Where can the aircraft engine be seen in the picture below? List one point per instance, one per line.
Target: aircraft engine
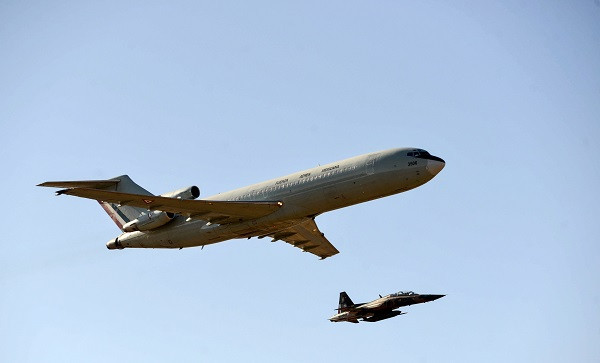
(192, 192)
(148, 221)
(155, 219)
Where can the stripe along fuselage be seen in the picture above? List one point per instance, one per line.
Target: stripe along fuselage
(304, 194)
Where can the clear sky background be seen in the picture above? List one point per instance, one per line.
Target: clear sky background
(225, 94)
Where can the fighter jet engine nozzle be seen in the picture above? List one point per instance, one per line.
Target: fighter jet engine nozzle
(192, 192)
(148, 221)
(114, 244)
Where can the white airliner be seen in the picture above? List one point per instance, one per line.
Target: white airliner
(282, 209)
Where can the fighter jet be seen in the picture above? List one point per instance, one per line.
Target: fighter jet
(378, 309)
(283, 208)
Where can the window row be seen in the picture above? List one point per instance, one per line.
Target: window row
(268, 190)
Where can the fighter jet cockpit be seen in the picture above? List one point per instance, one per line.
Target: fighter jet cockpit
(402, 293)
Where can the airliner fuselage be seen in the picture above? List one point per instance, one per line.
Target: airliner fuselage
(283, 208)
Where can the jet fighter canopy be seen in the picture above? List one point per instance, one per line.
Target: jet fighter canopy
(402, 293)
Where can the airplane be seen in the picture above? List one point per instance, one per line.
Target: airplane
(283, 208)
(378, 309)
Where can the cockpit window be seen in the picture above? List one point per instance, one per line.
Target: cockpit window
(417, 153)
(403, 293)
(422, 154)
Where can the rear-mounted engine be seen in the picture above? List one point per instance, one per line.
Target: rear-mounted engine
(148, 221)
(192, 192)
(155, 219)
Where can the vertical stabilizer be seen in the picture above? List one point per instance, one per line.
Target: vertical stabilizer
(123, 214)
(345, 302)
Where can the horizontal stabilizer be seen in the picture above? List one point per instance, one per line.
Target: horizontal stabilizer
(94, 184)
(221, 212)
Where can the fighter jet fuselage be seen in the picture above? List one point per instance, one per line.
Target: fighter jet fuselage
(379, 309)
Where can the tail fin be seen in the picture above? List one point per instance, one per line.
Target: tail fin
(345, 302)
(121, 214)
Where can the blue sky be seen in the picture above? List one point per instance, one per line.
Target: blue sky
(224, 94)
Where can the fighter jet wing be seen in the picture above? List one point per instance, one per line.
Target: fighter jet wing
(308, 238)
(221, 212)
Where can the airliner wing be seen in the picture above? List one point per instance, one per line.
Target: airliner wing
(308, 238)
(221, 212)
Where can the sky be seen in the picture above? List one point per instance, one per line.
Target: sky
(225, 94)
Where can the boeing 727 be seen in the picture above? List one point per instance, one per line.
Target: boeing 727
(282, 209)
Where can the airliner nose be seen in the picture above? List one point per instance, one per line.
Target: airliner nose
(435, 166)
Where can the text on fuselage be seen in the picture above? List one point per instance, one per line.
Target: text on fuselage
(330, 168)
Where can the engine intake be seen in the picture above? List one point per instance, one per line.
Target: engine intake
(192, 192)
(155, 219)
(148, 221)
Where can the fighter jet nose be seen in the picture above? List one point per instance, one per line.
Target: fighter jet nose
(429, 297)
(435, 166)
